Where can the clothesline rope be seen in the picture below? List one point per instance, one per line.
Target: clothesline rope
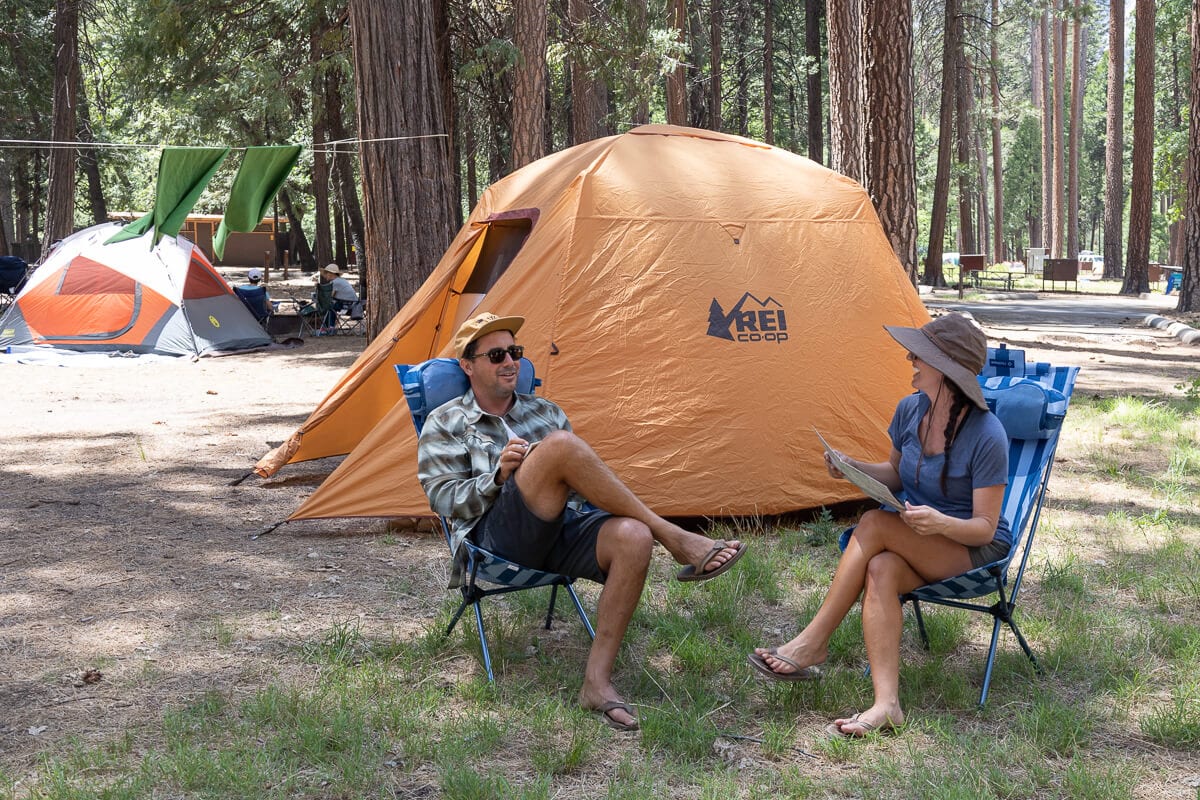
(325, 147)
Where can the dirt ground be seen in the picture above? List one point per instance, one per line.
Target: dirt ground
(129, 580)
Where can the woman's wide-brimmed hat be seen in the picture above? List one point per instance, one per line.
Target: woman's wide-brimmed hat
(951, 344)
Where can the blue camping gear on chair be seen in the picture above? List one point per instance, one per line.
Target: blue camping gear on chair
(427, 386)
(255, 300)
(1031, 402)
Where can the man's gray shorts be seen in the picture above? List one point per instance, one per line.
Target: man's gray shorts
(566, 545)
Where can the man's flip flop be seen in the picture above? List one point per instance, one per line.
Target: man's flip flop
(799, 673)
(604, 708)
(695, 572)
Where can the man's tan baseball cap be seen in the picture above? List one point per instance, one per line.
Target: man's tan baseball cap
(481, 325)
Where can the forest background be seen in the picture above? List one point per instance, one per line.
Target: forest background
(984, 126)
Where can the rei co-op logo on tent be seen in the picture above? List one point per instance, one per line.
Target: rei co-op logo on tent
(751, 320)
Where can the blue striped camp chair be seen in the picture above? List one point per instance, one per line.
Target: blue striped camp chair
(1031, 401)
(427, 386)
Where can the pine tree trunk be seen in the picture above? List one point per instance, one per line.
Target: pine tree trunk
(1058, 188)
(529, 84)
(677, 105)
(951, 35)
(1189, 290)
(89, 164)
(741, 38)
(962, 122)
(890, 159)
(812, 49)
(846, 140)
(1076, 132)
(769, 74)
(589, 99)
(714, 66)
(323, 251)
(60, 193)
(408, 190)
(1114, 145)
(1141, 180)
(997, 183)
(1049, 114)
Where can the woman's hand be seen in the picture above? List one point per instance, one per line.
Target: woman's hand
(833, 470)
(924, 520)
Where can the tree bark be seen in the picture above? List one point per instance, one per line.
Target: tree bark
(529, 84)
(1189, 289)
(741, 35)
(677, 105)
(89, 164)
(997, 155)
(714, 68)
(1141, 181)
(60, 193)
(951, 35)
(589, 102)
(890, 159)
(408, 188)
(846, 141)
(323, 251)
(1057, 205)
(1076, 137)
(1048, 117)
(812, 49)
(1114, 146)
(963, 127)
(769, 73)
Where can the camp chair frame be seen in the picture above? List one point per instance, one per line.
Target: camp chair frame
(427, 386)
(1030, 464)
(254, 298)
(314, 316)
(351, 317)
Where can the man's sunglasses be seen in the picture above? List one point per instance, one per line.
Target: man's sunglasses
(496, 354)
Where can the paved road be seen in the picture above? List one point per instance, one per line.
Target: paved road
(1104, 334)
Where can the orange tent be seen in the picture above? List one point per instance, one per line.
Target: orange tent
(130, 296)
(696, 302)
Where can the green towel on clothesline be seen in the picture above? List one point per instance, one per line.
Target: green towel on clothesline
(183, 173)
(263, 171)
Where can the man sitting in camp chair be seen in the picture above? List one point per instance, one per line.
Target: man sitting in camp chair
(509, 472)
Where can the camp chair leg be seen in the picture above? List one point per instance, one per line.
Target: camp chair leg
(583, 617)
(550, 610)
(483, 643)
(457, 616)
(921, 623)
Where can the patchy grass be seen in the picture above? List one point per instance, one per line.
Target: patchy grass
(1111, 606)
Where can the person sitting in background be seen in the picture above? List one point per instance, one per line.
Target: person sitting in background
(254, 295)
(344, 295)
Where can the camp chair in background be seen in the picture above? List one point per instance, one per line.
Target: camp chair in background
(1031, 401)
(427, 386)
(315, 317)
(13, 271)
(350, 318)
(255, 300)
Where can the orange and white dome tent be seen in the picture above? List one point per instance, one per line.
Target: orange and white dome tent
(129, 296)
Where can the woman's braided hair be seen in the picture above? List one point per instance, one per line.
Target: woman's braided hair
(954, 425)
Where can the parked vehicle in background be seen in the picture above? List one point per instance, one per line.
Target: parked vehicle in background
(1091, 263)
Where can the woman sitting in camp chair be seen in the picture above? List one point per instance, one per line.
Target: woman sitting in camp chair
(950, 457)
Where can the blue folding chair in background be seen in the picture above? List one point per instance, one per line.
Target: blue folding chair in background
(427, 386)
(1031, 401)
(255, 300)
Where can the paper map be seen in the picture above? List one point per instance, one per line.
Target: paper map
(873, 488)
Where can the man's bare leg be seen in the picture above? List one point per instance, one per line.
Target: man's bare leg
(623, 552)
(562, 462)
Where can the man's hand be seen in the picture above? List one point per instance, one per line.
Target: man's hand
(511, 457)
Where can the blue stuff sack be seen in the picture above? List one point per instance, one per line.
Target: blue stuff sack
(1027, 409)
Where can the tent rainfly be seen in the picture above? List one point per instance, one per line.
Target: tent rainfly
(696, 302)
